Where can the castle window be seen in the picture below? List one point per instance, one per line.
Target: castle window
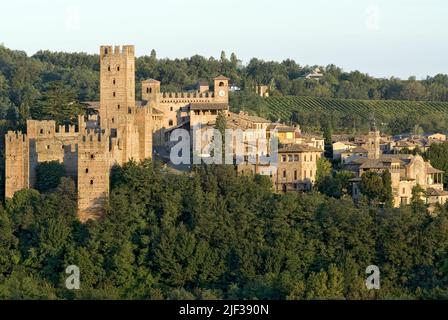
(87, 170)
(118, 68)
(113, 120)
(118, 107)
(296, 158)
(108, 68)
(113, 93)
(92, 156)
(106, 51)
(113, 81)
(48, 146)
(150, 90)
(295, 174)
(147, 90)
(290, 158)
(221, 84)
(171, 108)
(41, 131)
(91, 182)
(284, 173)
(170, 123)
(129, 110)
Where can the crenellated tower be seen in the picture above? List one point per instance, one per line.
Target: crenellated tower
(117, 84)
(93, 174)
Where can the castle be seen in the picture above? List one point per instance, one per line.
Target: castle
(120, 130)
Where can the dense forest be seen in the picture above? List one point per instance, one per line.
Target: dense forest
(215, 235)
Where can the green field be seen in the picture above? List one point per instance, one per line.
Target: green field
(384, 110)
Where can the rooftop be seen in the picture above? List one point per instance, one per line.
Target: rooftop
(298, 148)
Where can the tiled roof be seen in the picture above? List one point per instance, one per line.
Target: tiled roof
(298, 148)
(251, 118)
(209, 106)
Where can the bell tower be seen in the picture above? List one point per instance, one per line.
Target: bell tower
(151, 91)
(221, 90)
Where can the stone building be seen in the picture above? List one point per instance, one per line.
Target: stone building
(297, 168)
(122, 128)
(407, 171)
(120, 131)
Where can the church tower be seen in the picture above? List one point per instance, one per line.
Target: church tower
(373, 143)
(117, 84)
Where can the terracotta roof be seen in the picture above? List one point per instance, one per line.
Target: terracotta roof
(221, 77)
(281, 127)
(209, 106)
(434, 170)
(356, 150)
(436, 192)
(156, 111)
(92, 104)
(299, 148)
(373, 164)
(151, 81)
(249, 118)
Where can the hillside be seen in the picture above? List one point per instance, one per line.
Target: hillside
(394, 115)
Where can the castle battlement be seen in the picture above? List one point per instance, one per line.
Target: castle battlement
(186, 95)
(93, 136)
(15, 136)
(126, 50)
(68, 130)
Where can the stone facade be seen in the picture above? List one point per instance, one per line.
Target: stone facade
(123, 129)
(120, 131)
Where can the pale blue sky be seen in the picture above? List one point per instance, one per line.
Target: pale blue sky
(381, 37)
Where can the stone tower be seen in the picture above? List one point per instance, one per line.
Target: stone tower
(151, 92)
(16, 163)
(221, 89)
(373, 143)
(117, 84)
(93, 174)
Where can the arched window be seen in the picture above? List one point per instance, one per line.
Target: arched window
(170, 123)
(113, 94)
(87, 170)
(221, 84)
(147, 90)
(91, 182)
(284, 173)
(113, 81)
(118, 68)
(106, 51)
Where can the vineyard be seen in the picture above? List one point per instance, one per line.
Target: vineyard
(384, 110)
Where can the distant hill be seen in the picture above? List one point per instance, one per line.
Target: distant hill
(395, 115)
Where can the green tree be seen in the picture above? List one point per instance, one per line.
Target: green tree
(48, 175)
(59, 102)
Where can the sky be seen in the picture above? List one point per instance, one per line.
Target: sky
(383, 38)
